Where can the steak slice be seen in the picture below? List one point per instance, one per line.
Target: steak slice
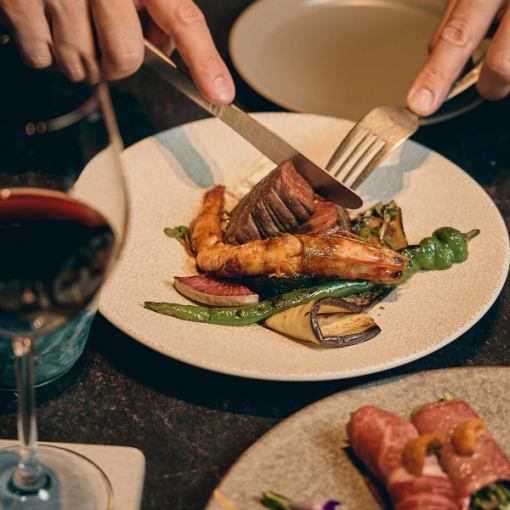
(327, 215)
(278, 203)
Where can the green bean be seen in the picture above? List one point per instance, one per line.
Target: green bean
(257, 312)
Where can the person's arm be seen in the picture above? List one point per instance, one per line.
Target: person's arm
(464, 24)
(63, 32)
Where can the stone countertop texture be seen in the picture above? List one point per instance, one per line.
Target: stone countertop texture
(192, 424)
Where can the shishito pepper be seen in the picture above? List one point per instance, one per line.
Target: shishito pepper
(445, 247)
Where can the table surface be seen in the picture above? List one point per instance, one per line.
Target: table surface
(192, 424)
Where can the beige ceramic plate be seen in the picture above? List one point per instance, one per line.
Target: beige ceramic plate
(167, 176)
(333, 57)
(303, 456)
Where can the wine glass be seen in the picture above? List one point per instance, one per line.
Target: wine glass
(62, 222)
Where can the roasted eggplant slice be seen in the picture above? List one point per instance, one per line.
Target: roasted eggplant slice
(329, 322)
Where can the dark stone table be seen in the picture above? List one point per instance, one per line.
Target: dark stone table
(192, 424)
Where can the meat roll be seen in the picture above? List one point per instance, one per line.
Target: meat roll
(379, 438)
(470, 456)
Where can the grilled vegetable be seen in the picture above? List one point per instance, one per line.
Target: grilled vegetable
(382, 225)
(213, 291)
(330, 322)
(445, 247)
(249, 314)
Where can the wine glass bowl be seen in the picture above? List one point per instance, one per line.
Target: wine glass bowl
(61, 228)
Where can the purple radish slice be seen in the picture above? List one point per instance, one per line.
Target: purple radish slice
(209, 290)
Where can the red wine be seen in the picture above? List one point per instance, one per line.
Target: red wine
(54, 253)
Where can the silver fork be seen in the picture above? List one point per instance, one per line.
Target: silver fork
(378, 133)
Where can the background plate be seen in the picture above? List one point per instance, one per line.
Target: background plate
(333, 57)
(167, 176)
(303, 457)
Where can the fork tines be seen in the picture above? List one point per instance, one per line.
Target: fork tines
(369, 141)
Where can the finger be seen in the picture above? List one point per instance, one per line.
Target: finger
(159, 37)
(184, 21)
(73, 41)
(120, 37)
(494, 81)
(31, 31)
(457, 40)
(444, 18)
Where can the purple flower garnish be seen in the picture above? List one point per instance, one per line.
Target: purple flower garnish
(328, 505)
(276, 501)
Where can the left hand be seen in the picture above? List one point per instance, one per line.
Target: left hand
(464, 25)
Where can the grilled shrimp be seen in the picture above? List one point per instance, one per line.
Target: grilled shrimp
(330, 255)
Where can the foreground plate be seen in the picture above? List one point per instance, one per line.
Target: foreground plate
(167, 176)
(303, 458)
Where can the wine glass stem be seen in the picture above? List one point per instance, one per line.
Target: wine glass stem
(28, 475)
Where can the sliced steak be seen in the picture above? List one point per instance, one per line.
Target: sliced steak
(278, 203)
(327, 215)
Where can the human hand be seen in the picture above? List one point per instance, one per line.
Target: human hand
(63, 32)
(464, 24)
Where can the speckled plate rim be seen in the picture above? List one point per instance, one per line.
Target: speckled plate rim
(259, 447)
(275, 375)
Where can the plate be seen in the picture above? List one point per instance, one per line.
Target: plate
(336, 57)
(167, 176)
(302, 457)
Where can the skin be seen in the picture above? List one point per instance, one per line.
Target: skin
(63, 33)
(464, 24)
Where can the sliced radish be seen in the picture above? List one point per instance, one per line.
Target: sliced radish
(213, 291)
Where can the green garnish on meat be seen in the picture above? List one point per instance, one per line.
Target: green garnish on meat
(495, 496)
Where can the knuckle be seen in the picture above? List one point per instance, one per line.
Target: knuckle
(65, 8)
(207, 64)
(499, 65)
(53, 5)
(189, 14)
(75, 74)
(37, 60)
(457, 32)
(432, 75)
(121, 64)
(7, 5)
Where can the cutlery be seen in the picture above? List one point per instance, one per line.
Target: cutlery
(378, 133)
(265, 140)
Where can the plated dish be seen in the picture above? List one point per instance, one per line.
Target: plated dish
(168, 176)
(308, 455)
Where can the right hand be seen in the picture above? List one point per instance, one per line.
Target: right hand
(464, 25)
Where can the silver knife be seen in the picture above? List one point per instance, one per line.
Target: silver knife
(267, 142)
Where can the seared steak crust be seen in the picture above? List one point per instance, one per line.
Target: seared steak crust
(280, 202)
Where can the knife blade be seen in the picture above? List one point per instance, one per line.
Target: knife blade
(262, 138)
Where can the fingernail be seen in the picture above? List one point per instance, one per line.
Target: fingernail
(421, 101)
(222, 90)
